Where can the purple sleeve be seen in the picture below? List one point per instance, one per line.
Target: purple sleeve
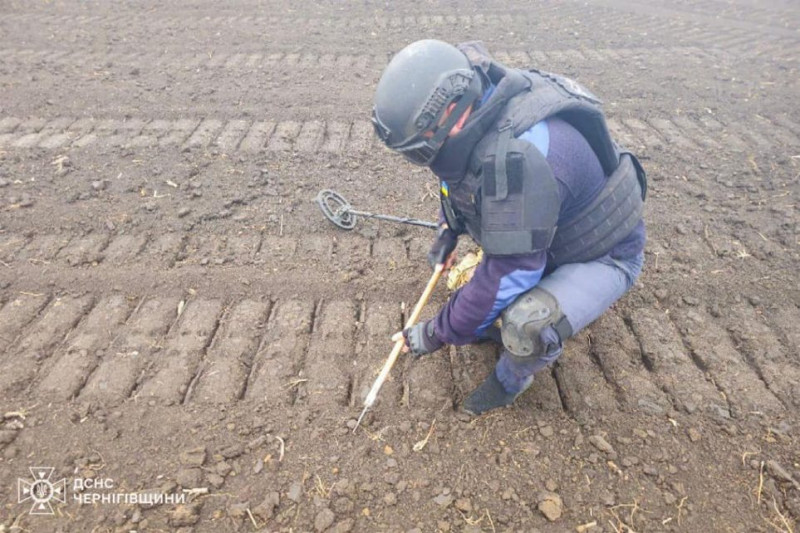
(496, 283)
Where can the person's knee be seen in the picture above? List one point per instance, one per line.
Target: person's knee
(534, 326)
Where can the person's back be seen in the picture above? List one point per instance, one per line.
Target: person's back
(579, 174)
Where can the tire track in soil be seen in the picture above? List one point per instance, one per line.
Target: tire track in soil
(672, 366)
(330, 359)
(759, 342)
(43, 337)
(645, 17)
(189, 22)
(168, 376)
(156, 355)
(84, 348)
(326, 251)
(224, 372)
(380, 320)
(15, 315)
(725, 41)
(41, 250)
(113, 380)
(731, 371)
(340, 65)
(682, 134)
(773, 15)
(580, 382)
(616, 351)
(274, 376)
(277, 251)
(663, 11)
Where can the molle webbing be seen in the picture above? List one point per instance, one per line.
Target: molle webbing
(606, 221)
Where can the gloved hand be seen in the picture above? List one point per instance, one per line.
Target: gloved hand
(443, 246)
(421, 339)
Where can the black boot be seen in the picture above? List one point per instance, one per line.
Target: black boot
(489, 395)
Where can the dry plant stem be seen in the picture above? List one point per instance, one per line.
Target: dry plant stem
(786, 523)
(252, 518)
(421, 444)
(491, 522)
(283, 445)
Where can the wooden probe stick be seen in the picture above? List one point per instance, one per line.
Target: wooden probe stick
(399, 343)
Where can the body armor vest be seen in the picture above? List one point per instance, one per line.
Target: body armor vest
(506, 196)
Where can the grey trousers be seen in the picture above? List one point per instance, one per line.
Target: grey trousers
(584, 291)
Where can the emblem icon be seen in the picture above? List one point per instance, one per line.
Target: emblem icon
(41, 491)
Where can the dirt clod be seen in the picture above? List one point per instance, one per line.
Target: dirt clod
(7, 436)
(780, 473)
(185, 515)
(238, 511)
(266, 509)
(550, 505)
(215, 480)
(324, 519)
(599, 442)
(343, 526)
(233, 451)
(295, 492)
(443, 500)
(189, 477)
(464, 504)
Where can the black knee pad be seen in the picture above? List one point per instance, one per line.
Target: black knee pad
(526, 318)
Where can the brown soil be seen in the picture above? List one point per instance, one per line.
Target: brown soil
(176, 314)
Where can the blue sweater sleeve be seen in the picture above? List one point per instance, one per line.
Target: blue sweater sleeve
(496, 283)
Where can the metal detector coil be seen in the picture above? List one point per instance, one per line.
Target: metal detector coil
(338, 210)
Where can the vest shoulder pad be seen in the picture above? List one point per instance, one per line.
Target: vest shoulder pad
(519, 211)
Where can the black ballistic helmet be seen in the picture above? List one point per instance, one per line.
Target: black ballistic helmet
(414, 91)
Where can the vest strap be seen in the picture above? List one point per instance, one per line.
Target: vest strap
(500, 175)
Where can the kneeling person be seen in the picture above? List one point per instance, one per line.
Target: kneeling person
(528, 169)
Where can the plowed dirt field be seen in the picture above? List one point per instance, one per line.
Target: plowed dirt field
(178, 319)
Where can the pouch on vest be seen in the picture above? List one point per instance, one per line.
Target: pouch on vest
(519, 203)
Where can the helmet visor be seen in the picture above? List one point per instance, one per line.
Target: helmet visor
(418, 149)
(422, 153)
